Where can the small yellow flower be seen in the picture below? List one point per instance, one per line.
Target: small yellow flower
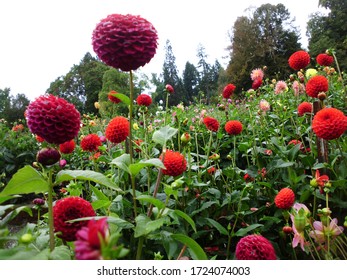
(92, 123)
(135, 126)
(311, 73)
(97, 105)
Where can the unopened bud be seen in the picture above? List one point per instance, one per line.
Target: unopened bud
(322, 96)
(185, 137)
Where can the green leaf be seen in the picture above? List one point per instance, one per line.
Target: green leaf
(125, 99)
(203, 207)
(244, 231)
(218, 226)
(196, 252)
(26, 180)
(119, 222)
(150, 199)
(185, 217)
(135, 168)
(122, 162)
(60, 253)
(11, 215)
(144, 225)
(87, 175)
(97, 204)
(163, 135)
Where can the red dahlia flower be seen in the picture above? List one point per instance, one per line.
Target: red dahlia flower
(254, 247)
(324, 59)
(117, 130)
(67, 209)
(329, 123)
(211, 124)
(174, 162)
(125, 41)
(89, 239)
(53, 119)
(305, 108)
(48, 156)
(299, 60)
(285, 198)
(112, 98)
(90, 143)
(144, 100)
(233, 127)
(67, 147)
(256, 83)
(228, 90)
(169, 88)
(316, 85)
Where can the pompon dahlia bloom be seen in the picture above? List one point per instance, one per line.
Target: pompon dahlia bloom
(91, 142)
(125, 41)
(317, 84)
(305, 108)
(53, 118)
(117, 130)
(254, 247)
(89, 240)
(144, 100)
(111, 96)
(228, 90)
(211, 123)
(329, 123)
(257, 74)
(324, 59)
(67, 209)
(174, 162)
(285, 198)
(299, 60)
(67, 147)
(48, 156)
(233, 127)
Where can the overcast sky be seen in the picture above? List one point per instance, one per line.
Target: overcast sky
(42, 39)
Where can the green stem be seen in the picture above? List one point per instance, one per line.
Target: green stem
(166, 107)
(50, 212)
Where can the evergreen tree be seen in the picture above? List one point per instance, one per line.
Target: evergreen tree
(191, 81)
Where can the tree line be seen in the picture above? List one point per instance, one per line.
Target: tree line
(264, 38)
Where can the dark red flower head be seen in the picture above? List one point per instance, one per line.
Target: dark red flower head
(169, 88)
(53, 118)
(67, 147)
(324, 59)
(285, 198)
(174, 162)
(316, 85)
(111, 96)
(228, 90)
(233, 127)
(117, 130)
(67, 209)
(329, 123)
(254, 247)
(305, 108)
(299, 60)
(48, 156)
(90, 143)
(211, 124)
(144, 100)
(257, 83)
(125, 41)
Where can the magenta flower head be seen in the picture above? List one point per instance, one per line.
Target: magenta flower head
(169, 88)
(255, 247)
(125, 41)
(53, 118)
(89, 240)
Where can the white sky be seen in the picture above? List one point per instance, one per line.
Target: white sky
(42, 39)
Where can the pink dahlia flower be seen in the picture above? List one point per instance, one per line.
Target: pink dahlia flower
(89, 240)
(125, 41)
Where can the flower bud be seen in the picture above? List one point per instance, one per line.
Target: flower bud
(300, 222)
(48, 156)
(313, 183)
(322, 96)
(26, 238)
(287, 229)
(185, 138)
(214, 157)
